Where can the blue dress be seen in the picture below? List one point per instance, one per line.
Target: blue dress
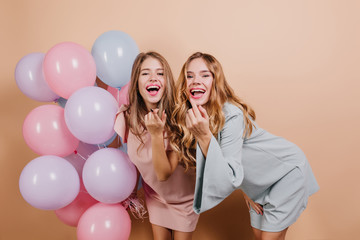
(269, 169)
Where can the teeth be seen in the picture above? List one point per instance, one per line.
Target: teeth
(153, 88)
(197, 91)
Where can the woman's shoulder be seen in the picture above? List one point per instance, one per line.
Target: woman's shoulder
(230, 110)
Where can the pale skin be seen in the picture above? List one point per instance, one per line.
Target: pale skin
(165, 162)
(197, 121)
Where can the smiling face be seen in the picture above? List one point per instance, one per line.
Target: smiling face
(199, 81)
(151, 82)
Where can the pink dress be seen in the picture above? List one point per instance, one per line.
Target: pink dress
(170, 203)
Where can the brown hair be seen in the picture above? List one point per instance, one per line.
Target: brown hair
(221, 92)
(137, 109)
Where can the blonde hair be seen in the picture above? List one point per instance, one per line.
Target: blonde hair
(136, 110)
(221, 92)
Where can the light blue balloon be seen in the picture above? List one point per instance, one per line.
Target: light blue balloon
(114, 53)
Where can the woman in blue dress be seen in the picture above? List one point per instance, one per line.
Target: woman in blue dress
(218, 133)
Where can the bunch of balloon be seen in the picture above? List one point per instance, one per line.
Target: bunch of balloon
(52, 181)
(83, 183)
(108, 174)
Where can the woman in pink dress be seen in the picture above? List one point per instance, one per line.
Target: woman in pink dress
(144, 125)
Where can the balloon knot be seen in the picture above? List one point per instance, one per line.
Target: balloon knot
(75, 152)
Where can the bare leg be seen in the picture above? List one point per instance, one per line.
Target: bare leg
(274, 235)
(257, 233)
(182, 235)
(262, 235)
(161, 233)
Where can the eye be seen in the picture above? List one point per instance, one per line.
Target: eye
(189, 76)
(160, 74)
(206, 75)
(144, 73)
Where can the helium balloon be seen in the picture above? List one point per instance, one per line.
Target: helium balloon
(71, 213)
(49, 182)
(30, 78)
(104, 221)
(46, 133)
(90, 115)
(68, 67)
(109, 176)
(114, 53)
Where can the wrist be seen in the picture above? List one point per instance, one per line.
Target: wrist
(159, 135)
(205, 139)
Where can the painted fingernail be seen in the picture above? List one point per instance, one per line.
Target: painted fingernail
(151, 110)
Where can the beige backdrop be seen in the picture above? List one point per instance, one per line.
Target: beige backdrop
(296, 62)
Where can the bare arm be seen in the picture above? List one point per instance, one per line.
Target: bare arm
(165, 162)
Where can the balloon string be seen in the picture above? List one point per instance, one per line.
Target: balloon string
(118, 96)
(81, 156)
(136, 207)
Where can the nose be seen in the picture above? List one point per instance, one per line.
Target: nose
(153, 76)
(196, 79)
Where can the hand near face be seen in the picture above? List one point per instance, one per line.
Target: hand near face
(197, 121)
(154, 124)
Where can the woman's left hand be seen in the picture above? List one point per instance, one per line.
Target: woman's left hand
(153, 123)
(197, 121)
(254, 205)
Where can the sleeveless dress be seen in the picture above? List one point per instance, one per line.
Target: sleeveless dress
(170, 202)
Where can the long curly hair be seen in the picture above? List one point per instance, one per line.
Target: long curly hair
(136, 110)
(183, 141)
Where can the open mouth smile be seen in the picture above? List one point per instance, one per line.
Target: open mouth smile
(197, 93)
(153, 89)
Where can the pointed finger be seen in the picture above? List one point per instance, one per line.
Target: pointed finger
(195, 108)
(146, 118)
(187, 121)
(248, 205)
(156, 117)
(155, 110)
(163, 118)
(191, 115)
(203, 112)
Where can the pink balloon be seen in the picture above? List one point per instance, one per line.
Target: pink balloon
(104, 221)
(68, 67)
(122, 95)
(46, 133)
(71, 214)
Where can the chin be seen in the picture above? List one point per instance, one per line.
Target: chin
(199, 102)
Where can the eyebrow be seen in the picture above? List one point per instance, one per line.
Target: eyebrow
(148, 69)
(202, 71)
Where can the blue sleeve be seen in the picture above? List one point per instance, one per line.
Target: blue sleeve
(221, 172)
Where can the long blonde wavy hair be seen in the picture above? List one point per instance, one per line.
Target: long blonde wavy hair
(183, 141)
(136, 110)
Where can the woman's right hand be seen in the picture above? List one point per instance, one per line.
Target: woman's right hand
(197, 121)
(154, 124)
